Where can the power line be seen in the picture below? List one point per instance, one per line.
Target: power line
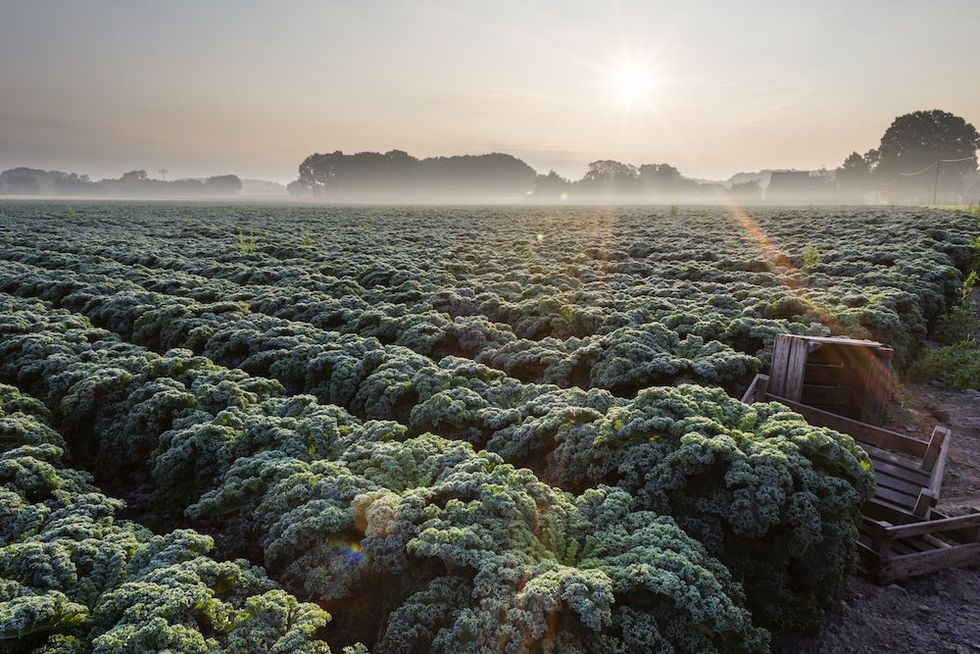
(929, 167)
(935, 164)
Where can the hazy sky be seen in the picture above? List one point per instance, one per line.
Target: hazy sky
(253, 87)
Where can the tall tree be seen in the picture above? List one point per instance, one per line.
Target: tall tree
(609, 176)
(917, 140)
(854, 177)
(659, 178)
(551, 187)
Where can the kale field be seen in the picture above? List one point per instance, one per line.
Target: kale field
(295, 429)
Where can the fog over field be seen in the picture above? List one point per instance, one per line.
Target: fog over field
(673, 103)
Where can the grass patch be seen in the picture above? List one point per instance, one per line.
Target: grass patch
(247, 243)
(957, 365)
(961, 322)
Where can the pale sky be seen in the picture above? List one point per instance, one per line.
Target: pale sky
(251, 88)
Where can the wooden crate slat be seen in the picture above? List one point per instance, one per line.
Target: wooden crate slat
(911, 475)
(875, 436)
(879, 509)
(901, 548)
(901, 499)
(934, 542)
(780, 361)
(886, 480)
(918, 544)
(795, 368)
(939, 470)
(756, 392)
(837, 340)
(925, 562)
(936, 451)
(934, 526)
(878, 388)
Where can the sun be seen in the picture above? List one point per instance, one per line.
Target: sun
(631, 84)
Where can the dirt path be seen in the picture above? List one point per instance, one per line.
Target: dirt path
(937, 613)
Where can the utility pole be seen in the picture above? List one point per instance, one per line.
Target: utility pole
(935, 186)
(163, 173)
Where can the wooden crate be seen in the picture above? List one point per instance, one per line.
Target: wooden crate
(901, 533)
(894, 544)
(844, 376)
(908, 470)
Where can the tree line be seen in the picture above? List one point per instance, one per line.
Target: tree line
(924, 155)
(135, 183)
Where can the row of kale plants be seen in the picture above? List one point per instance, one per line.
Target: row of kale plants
(413, 543)
(718, 285)
(775, 499)
(76, 578)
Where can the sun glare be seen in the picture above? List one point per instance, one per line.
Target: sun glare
(631, 84)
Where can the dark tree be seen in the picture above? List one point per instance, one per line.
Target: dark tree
(31, 181)
(223, 185)
(854, 176)
(21, 184)
(606, 176)
(746, 192)
(915, 141)
(397, 175)
(133, 177)
(551, 187)
(299, 189)
(74, 184)
(660, 178)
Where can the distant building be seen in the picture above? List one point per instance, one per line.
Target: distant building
(795, 186)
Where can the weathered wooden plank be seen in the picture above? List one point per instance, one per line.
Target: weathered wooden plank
(937, 443)
(879, 382)
(829, 408)
(923, 503)
(913, 475)
(902, 548)
(780, 360)
(899, 461)
(843, 340)
(939, 469)
(886, 480)
(920, 544)
(934, 526)
(875, 436)
(874, 536)
(901, 499)
(935, 542)
(878, 509)
(912, 565)
(756, 392)
(967, 534)
(816, 395)
(831, 356)
(796, 368)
